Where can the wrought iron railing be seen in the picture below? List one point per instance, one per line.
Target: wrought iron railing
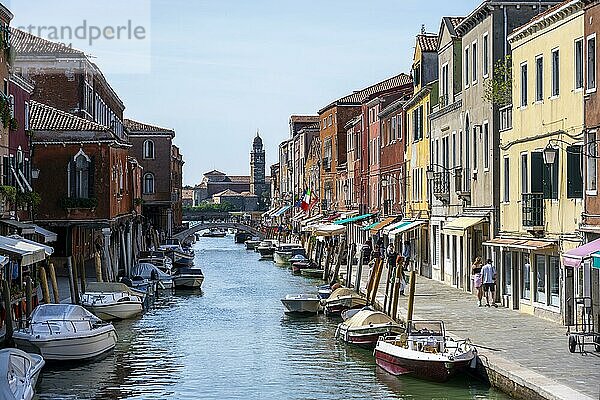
(441, 183)
(533, 210)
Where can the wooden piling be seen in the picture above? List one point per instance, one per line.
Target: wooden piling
(338, 263)
(359, 272)
(396, 291)
(28, 296)
(71, 280)
(411, 296)
(44, 284)
(327, 261)
(388, 289)
(9, 316)
(378, 271)
(349, 265)
(98, 265)
(82, 277)
(54, 283)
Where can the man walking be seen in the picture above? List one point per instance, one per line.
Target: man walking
(488, 273)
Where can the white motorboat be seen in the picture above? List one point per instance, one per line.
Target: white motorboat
(302, 303)
(424, 352)
(188, 278)
(366, 326)
(252, 244)
(109, 301)
(66, 332)
(19, 372)
(266, 248)
(151, 272)
(158, 259)
(285, 251)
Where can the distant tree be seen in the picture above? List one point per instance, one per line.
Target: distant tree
(497, 89)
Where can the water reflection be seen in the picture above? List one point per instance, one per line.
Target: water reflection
(234, 341)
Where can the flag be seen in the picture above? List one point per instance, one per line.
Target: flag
(313, 202)
(305, 205)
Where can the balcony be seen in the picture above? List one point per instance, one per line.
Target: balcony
(533, 211)
(441, 186)
(462, 182)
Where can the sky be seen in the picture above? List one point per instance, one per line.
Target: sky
(218, 70)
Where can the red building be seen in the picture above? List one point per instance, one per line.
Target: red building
(89, 185)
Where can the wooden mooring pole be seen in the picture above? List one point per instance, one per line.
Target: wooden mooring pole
(9, 316)
(359, 272)
(28, 296)
(411, 296)
(55, 293)
(44, 284)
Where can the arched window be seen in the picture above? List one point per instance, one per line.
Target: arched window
(148, 149)
(149, 183)
(80, 170)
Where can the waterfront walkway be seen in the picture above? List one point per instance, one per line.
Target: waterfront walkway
(526, 348)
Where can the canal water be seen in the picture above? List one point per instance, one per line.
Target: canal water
(234, 342)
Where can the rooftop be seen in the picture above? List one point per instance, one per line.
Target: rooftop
(304, 118)
(26, 43)
(136, 127)
(427, 42)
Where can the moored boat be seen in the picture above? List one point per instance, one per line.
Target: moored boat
(150, 272)
(266, 248)
(312, 273)
(158, 259)
(215, 233)
(366, 326)
(66, 332)
(179, 256)
(240, 237)
(188, 278)
(424, 352)
(19, 372)
(343, 299)
(302, 303)
(285, 251)
(110, 301)
(252, 244)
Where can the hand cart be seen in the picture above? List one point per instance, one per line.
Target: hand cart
(582, 332)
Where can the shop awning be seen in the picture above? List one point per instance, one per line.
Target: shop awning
(49, 236)
(314, 218)
(459, 225)
(352, 219)
(382, 224)
(28, 253)
(524, 244)
(410, 225)
(47, 249)
(22, 228)
(328, 230)
(596, 260)
(574, 258)
(368, 227)
(282, 211)
(386, 231)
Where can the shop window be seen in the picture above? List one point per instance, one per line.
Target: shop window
(507, 272)
(540, 279)
(554, 270)
(526, 278)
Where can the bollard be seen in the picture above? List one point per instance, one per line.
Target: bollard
(54, 283)
(44, 283)
(28, 296)
(9, 316)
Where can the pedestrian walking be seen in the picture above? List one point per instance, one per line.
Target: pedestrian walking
(406, 254)
(391, 255)
(366, 252)
(488, 272)
(477, 279)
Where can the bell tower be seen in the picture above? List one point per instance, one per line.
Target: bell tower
(257, 167)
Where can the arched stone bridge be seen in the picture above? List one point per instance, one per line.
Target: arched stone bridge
(202, 226)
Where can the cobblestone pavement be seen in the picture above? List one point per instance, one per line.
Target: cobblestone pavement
(532, 342)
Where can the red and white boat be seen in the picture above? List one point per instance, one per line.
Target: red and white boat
(425, 352)
(366, 327)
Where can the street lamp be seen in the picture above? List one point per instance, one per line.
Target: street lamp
(550, 154)
(431, 172)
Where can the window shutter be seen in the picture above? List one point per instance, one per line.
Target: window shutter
(91, 173)
(574, 174)
(537, 168)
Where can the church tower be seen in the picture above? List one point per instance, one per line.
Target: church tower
(257, 167)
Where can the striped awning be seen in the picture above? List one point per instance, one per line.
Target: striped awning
(352, 219)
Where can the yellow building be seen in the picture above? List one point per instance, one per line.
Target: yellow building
(540, 162)
(417, 109)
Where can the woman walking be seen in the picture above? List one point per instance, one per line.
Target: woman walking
(477, 278)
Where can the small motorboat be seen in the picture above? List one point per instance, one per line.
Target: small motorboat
(215, 233)
(324, 290)
(241, 237)
(179, 256)
(343, 299)
(266, 248)
(312, 273)
(110, 301)
(188, 278)
(286, 251)
(151, 272)
(299, 262)
(65, 332)
(158, 259)
(366, 326)
(302, 303)
(19, 372)
(252, 244)
(424, 352)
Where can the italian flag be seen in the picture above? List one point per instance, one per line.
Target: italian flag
(305, 205)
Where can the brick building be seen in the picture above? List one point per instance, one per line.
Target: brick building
(152, 146)
(89, 184)
(176, 182)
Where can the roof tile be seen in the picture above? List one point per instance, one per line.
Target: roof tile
(141, 127)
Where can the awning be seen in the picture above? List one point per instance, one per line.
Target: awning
(596, 260)
(407, 227)
(386, 231)
(298, 217)
(459, 225)
(382, 224)
(352, 219)
(270, 212)
(328, 230)
(26, 252)
(524, 244)
(281, 211)
(47, 249)
(24, 229)
(574, 258)
(48, 235)
(368, 227)
(311, 219)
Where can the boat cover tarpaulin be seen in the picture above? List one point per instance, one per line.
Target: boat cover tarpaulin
(352, 219)
(574, 258)
(109, 287)
(342, 292)
(60, 312)
(368, 317)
